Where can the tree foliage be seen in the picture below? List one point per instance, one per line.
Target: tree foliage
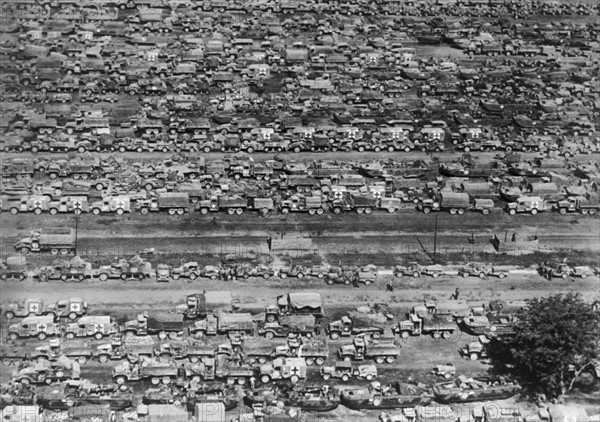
(556, 340)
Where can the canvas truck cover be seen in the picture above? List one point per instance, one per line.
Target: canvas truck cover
(165, 321)
(367, 320)
(235, 321)
(301, 322)
(305, 300)
(450, 199)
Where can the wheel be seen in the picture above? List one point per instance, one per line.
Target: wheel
(534, 211)
(446, 335)
(53, 211)
(435, 335)
(72, 315)
(512, 211)
(345, 377)
(98, 336)
(166, 380)
(41, 336)
(265, 379)
(334, 335)
(103, 277)
(326, 377)
(379, 360)
(473, 356)
(155, 380)
(390, 359)
(82, 360)
(13, 336)
(404, 334)
(310, 361)
(294, 379)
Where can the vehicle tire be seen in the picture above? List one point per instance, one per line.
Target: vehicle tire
(53, 211)
(98, 336)
(265, 379)
(326, 377)
(334, 335)
(42, 336)
(72, 315)
(82, 360)
(309, 361)
(13, 336)
(404, 334)
(120, 379)
(155, 380)
(345, 377)
(104, 359)
(512, 211)
(473, 356)
(390, 359)
(103, 277)
(119, 211)
(300, 275)
(377, 402)
(294, 379)
(436, 335)
(416, 274)
(25, 381)
(446, 335)
(166, 380)
(9, 315)
(379, 360)
(534, 211)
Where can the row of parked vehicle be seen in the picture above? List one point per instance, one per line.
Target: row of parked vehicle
(188, 90)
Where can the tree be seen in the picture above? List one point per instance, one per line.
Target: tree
(556, 341)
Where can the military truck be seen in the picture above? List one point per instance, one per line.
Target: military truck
(34, 326)
(54, 240)
(147, 368)
(109, 204)
(71, 307)
(223, 323)
(97, 326)
(298, 203)
(296, 304)
(360, 349)
(436, 326)
(527, 204)
(129, 348)
(584, 205)
(47, 372)
(293, 369)
(231, 204)
(356, 323)
(475, 350)
(79, 351)
(162, 324)
(455, 203)
(173, 202)
(200, 305)
(303, 325)
(344, 370)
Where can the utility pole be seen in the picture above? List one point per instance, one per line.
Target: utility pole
(435, 238)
